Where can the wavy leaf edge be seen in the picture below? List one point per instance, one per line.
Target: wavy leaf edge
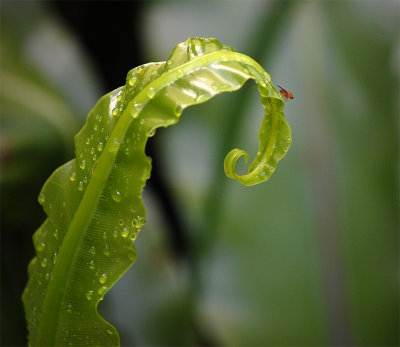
(93, 202)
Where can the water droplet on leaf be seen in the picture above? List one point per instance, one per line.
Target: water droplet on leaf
(89, 295)
(43, 263)
(151, 92)
(40, 246)
(116, 195)
(103, 278)
(125, 232)
(69, 308)
(72, 176)
(151, 132)
(42, 198)
(80, 186)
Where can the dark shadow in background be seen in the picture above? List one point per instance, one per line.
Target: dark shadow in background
(111, 35)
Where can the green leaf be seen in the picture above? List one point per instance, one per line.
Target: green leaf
(93, 202)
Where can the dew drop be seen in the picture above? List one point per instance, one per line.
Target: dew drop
(43, 263)
(42, 198)
(115, 111)
(69, 308)
(138, 106)
(100, 146)
(102, 290)
(270, 168)
(47, 276)
(127, 151)
(178, 110)
(55, 234)
(82, 165)
(169, 62)
(125, 232)
(87, 140)
(121, 222)
(91, 265)
(141, 121)
(95, 127)
(151, 92)
(133, 235)
(92, 250)
(109, 331)
(94, 157)
(72, 176)
(106, 252)
(89, 295)
(132, 81)
(115, 234)
(40, 246)
(92, 150)
(116, 195)
(119, 98)
(151, 132)
(103, 278)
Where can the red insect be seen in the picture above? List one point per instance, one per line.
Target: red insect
(286, 94)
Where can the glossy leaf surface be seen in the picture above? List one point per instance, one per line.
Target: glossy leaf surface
(93, 202)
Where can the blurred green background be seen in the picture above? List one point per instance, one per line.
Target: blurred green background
(310, 257)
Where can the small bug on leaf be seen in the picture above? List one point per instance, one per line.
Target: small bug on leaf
(286, 94)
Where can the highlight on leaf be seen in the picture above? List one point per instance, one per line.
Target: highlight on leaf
(93, 203)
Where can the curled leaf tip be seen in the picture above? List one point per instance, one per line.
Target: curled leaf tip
(274, 141)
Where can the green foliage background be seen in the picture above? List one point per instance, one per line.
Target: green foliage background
(308, 258)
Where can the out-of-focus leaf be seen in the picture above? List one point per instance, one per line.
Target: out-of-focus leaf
(93, 202)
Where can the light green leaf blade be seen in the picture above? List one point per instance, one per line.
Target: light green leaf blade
(93, 202)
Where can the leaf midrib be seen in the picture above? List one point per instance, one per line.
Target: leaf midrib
(51, 308)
